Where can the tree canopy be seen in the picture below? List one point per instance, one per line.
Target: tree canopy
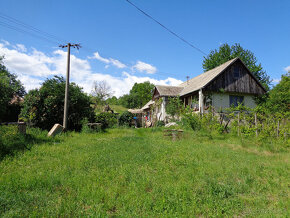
(139, 95)
(227, 52)
(10, 87)
(279, 96)
(44, 107)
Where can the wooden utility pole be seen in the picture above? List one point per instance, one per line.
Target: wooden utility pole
(66, 98)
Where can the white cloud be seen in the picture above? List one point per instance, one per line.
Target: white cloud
(32, 67)
(98, 57)
(287, 69)
(112, 61)
(20, 47)
(275, 81)
(144, 67)
(117, 63)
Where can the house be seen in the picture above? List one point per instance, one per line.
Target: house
(228, 84)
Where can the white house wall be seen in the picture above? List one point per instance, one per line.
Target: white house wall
(222, 100)
(161, 110)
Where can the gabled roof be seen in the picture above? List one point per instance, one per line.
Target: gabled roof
(200, 81)
(169, 90)
(203, 79)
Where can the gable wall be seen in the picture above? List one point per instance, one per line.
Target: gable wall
(155, 94)
(244, 84)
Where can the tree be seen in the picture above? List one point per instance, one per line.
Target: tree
(44, 107)
(279, 96)
(227, 52)
(10, 87)
(101, 91)
(112, 101)
(139, 95)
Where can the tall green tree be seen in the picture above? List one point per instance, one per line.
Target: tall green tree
(279, 96)
(10, 86)
(44, 107)
(227, 52)
(139, 95)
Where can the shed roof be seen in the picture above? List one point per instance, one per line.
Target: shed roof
(135, 111)
(147, 105)
(169, 90)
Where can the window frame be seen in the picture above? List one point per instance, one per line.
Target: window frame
(235, 100)
(237, 73)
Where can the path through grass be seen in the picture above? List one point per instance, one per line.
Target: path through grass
(128, 173)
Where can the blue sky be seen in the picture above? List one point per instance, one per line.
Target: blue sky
(122, 46)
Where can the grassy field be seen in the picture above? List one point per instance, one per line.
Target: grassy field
(139, 172)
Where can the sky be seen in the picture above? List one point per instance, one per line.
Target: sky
(122, 46)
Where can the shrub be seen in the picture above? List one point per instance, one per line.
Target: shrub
(44, 107)
(160, 123)
(107, 119)
(191, 120)
(126, 119)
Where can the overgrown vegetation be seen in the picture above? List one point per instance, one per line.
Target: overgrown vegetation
(10, 87)
(13, 142)
(140, 172)
(107, 119)
(125, 119)
(44, 107)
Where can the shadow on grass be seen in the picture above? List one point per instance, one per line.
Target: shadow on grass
(12, 142)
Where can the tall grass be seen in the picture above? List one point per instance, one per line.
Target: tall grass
(141, 172)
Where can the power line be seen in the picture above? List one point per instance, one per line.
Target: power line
(31, 28)
(26, 32)
(166, 28)
(52, 38)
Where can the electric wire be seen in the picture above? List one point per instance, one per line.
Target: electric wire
(52, 38)
(31, 28)
(26, 32)
(166, 28)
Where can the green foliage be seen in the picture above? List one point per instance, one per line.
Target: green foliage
(140, 173)
(44, 107)
(107, 119)
(139, 95)
(279, 96)
(13, 142)
(191, 120)
(227, 52)
(160, 123)
(174, 106)
(112, 101)
(9, 86)
(125, 119)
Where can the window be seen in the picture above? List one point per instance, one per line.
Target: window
(236, 100)
(236, 72)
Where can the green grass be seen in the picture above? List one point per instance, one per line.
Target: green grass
(139, 172)
(118, 108)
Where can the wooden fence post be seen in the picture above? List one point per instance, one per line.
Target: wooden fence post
(256, 124)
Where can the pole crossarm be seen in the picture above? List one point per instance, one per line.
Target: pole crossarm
(77, 46)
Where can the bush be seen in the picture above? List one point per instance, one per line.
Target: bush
(44, 107)
(126, 119)
(160, 123)
(107, 119)
(191, 120)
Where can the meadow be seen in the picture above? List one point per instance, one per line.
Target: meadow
(140, 172)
